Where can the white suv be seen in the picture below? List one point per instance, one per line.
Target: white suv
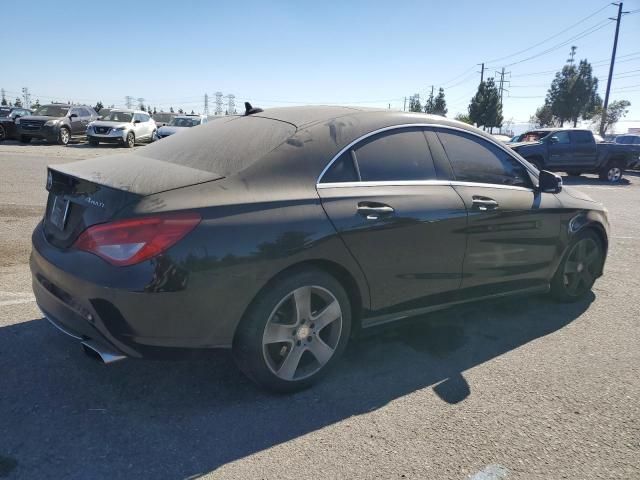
(125, 127)
(181, 123)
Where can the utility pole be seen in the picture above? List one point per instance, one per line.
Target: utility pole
(128, 101)
(404, 108)
(206, 104)
(482, 73)
(613, 60)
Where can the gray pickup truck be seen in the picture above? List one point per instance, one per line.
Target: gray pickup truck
(575, 151)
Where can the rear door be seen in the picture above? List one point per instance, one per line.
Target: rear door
(76, 122)
(400, 219)
(585, 153)
(560, 149)
(511, 233)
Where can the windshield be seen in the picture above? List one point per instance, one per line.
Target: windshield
(162, 117)
(118, 117)
(4, 111)
(52, 111)
(184, 122)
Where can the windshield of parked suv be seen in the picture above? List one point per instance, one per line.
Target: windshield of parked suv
(118, 117)
(184, 122)
(162, 117)
(4, 111)
(52, 111)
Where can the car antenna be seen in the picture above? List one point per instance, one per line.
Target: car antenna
(249, 110)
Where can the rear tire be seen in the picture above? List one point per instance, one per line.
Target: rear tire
(25, 139)
(294, 332)
(612, 173)
(64, 136)
(581, 264)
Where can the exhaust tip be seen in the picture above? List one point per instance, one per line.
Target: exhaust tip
(101, 353)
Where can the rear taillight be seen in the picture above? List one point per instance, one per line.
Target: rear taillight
(126, 242)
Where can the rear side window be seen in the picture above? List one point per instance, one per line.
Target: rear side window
(342, 170)
(224, 146)
(476, 160)
(395, 155)
(581, 137)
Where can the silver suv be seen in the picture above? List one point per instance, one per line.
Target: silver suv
(125, 127)
(181, 123)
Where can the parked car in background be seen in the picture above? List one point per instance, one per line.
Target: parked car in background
(56, 122)
(8, 117)
(632, 141)
(274, 236)
(502, 138)
(124, 127)
(181, 123)
(163, 118)
(104, 111)
(574, 151)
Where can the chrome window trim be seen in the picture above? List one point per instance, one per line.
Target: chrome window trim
(421, 183)
(505, 149)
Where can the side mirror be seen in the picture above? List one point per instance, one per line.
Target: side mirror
(549, 182)
(136, 121)
(99, 117)
(73, 115)
(16, 117)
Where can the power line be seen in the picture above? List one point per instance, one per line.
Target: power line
(551, 37)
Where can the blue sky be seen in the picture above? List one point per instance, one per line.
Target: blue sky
(280, 53)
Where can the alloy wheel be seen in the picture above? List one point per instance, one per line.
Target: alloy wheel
(302, 333)
(64, 136)
(581, 267)
(614, 174)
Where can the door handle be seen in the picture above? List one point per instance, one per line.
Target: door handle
(484, 203)
(374, 211)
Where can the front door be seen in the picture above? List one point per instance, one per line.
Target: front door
(404, 225)
(585, 152)
(560, 149)
(511, 238)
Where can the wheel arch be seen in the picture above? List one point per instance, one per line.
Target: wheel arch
(339, 272)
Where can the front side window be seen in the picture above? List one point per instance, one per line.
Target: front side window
(342, 170)
(476, 160)
(395, 155)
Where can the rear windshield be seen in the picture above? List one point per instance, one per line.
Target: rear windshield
(224, 146)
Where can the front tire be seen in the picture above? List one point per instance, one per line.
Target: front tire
(612, 173)
(294, 332)
(580, 266)
(3, 134)
(130, 141)
(64, 136)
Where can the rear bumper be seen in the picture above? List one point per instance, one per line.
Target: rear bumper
(120, 307)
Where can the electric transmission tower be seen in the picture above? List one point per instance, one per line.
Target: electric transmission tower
(206, 104)
(140, 103)
(27, 97)
(219, 97)
(231, 104)
(128, 101)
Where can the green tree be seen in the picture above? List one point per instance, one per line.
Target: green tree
(440, 104)
(429, 105)
(573, 93)
(615, 111)
(180, 111)
(18, 102)
(3, 102)
(36, 105)
(154, 110)
(171, 109)
(485, 109)
(414, 103)
(463, 117)
(192, 112)
(543, 117)
(99, 106)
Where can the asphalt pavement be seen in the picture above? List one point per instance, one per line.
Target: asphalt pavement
(517, 389)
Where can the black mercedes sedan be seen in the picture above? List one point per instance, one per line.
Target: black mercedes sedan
(280, 233)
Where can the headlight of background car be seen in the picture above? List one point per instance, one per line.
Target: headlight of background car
(51, 123)
(119, 129)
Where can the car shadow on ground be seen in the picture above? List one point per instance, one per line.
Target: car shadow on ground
(62, 412)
